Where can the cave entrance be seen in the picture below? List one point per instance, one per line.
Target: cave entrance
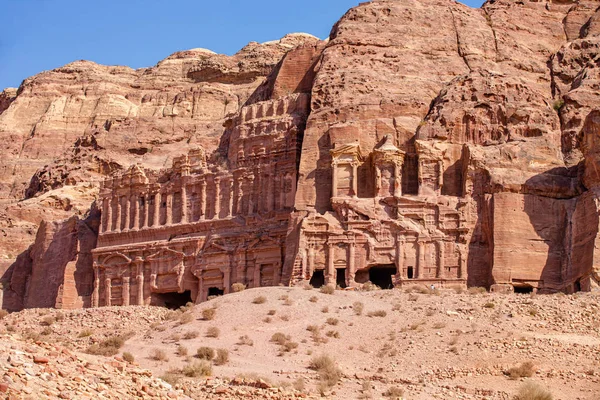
(410, 272)
(523, 289)
(318, 279)
(215, 292)
(340, 279)
(172, 300)
(577, 286)
(382, 275)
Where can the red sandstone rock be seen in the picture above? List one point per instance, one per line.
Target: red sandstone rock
(441, 145)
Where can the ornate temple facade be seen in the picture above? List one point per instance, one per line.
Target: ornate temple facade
(202, 225)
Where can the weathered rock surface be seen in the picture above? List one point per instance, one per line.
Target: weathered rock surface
(438, 139)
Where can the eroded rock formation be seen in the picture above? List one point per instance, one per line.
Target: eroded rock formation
(424, 142)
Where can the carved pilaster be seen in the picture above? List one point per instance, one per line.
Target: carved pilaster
(126, 291)
(397, 180)
(334, 179)
(421, 263)
(311, 261)
(441, 266)
(118, 218)
(169, 208)
(203, 205)
(184, 204)
(140, 281)
(217, 210)
(251, 195)
(156, 215)
(107, 291)
(226, 280)
(400, 259)
(354, 179)
(201, 292)
(330, 273)
(135, 202)
(230, 198)
(96, 292)
(146, 211)
(462, 255)
(350, 278)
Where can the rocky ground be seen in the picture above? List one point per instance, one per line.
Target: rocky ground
(427, 345)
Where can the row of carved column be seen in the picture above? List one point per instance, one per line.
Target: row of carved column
(308, 261)
(125, 288)
(271, 193)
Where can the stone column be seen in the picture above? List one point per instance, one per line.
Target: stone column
(96, 292)
(2, 296)
(421, 263)
(311, 261)
(156, 215)
(128, 212)
(230, 198)
(117, 226)
(184, 204)
(200, 297)
(239, 193)
(400, 258)
(256, 279)
(282, 196)
(350, 278)
(269, 194)
(169, 209)
(146, 211)
(108, 215)
(354, 179)
(203, 206)
(126, 292)
(259, 190)
(334, 179)
(440, 176)
(135, 201)
(107, 290)
(217, 198)
(462, 255)
(227, 280)
(304, 264)
(251, 195)
(330, 275)
(397, 180)
(140, 281)
(441, 266)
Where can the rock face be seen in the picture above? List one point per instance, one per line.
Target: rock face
(440, 145)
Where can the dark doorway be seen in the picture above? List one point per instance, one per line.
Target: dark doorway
(382, 275)
(523, 289)
(214, 292)
(171, 300)
(409, 272)
(341, 277)
(577, 286)
(318, 279)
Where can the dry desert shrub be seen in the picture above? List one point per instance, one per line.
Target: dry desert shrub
(458, 289)
(333, 334)
(358, 307)
(172, 376)
(47, 321)
(259, 300)
(369, 286)
(525, 370)
(205, 353)
(159, 355)
(439, 325)
(313, 299)
(85, 333)
(186, 318)
(127, 356)
(533, 391)
(59, 316)
(476, 290)
(332, 321)
(394, 392)
(272, 312)
(325, 309)
(238, 287)
(208, 314)
(327, 289)
(222, 357)
(378, 313)
(182, 351)
(418, 289)
(245, 341)
(197, 369)
(280, 338)
(213, 332)
(329, 373)
(190, 335)
(108, 347)
(489, 304)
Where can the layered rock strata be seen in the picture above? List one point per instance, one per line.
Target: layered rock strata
(424, 142)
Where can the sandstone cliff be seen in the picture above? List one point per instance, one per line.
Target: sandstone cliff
(504, 97)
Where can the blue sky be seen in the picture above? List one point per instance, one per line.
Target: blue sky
(39, 35)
